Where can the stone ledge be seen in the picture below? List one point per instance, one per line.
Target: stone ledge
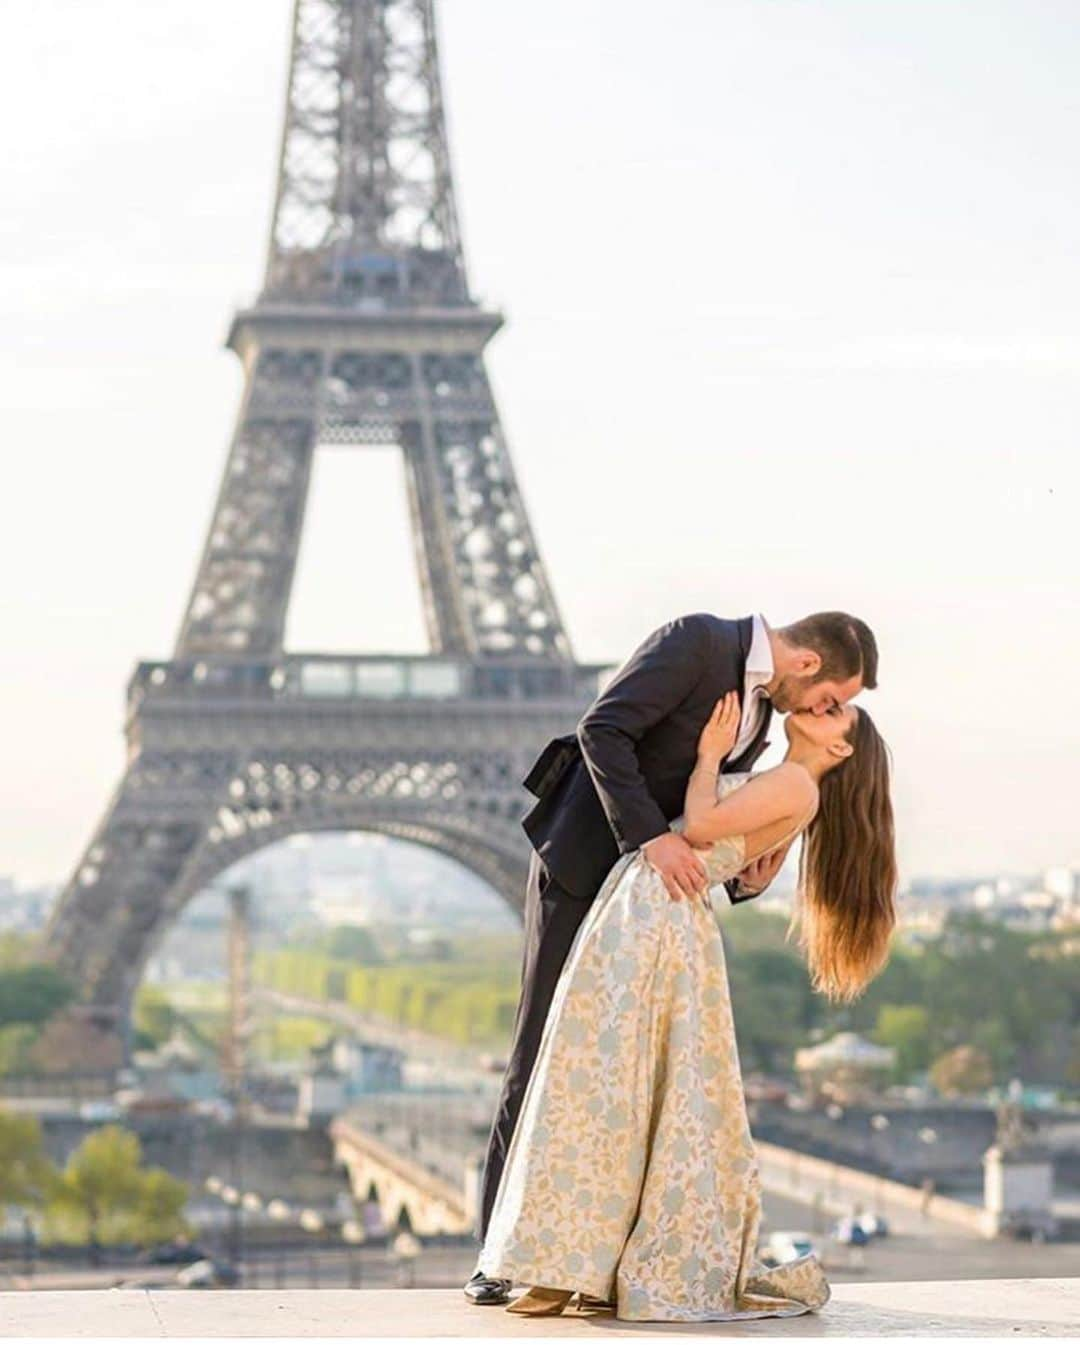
(1028, 1307)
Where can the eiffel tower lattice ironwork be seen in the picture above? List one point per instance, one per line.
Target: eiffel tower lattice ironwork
(364, 334)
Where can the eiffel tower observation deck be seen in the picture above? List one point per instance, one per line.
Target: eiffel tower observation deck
(364, 334)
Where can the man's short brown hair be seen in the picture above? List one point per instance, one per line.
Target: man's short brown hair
(845, 644)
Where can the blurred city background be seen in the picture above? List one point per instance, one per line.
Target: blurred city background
(316, 1048)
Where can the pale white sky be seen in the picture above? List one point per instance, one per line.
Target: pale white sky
(793, 298)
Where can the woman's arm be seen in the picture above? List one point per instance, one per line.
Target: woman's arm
(779, 795)
(715, 742)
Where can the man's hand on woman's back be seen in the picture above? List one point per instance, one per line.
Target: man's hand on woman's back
(760, 872)
(678, 863)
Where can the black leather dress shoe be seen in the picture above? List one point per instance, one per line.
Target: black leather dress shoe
(487, 1289)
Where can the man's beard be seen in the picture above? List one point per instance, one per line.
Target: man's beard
(785, 697)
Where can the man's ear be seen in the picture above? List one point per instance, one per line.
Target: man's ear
(807, 662)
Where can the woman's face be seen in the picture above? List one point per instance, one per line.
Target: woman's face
(828, 730)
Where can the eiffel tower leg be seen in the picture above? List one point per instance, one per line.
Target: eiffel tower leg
(105, 914)
(444, 612)
(509, 601)
(240, 597)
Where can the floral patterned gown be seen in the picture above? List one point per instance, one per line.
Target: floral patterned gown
(632, 1174)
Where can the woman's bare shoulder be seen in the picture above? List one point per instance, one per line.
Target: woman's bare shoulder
(791, 784)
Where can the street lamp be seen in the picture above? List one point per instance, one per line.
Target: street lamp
(352, 1231)
(834, 1112)
(406, 1248)
(927, 1135)
(311, 1221)
(280, 1211)
(879, 1123)
(231, 1196)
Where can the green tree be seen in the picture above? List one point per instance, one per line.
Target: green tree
(979, 974)
(25, 1172)
(907, 1028)
(159, 1214)
(15, 950)
(771, 1000)
(15, 1042)
(1072, 1064)
(104, 1194)
(32, 993)
(154, 1017)
(353, 944)
(962, 1071)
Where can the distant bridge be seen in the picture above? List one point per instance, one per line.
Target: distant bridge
(420, 1152)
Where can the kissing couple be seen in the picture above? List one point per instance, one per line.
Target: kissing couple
(620, 1167)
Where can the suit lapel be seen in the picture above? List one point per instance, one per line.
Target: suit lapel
(758, 744)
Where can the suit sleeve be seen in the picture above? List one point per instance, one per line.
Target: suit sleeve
(656, 678)
(737, 891)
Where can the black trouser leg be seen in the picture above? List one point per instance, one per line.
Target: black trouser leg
(552, 918)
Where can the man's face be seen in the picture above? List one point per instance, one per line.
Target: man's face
(796, 695)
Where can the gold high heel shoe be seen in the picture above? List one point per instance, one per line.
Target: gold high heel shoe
(540, 1301)
(590, 1303)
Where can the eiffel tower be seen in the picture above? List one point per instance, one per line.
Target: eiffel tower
(364, 334)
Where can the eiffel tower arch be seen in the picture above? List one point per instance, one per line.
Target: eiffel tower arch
(364, 334)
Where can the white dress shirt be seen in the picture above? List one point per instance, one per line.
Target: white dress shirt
(759, 672)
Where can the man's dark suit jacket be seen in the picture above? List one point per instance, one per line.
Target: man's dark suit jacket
(621, 777)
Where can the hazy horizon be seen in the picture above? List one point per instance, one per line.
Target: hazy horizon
(792, 297)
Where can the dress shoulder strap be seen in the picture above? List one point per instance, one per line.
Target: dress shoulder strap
(725, 784)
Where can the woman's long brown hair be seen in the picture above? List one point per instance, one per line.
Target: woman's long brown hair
(846, 909)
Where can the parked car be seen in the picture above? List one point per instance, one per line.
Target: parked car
(217, 1108)
(850, 1231)
(761, 1088)
(99, 1111)
(786, 1245)
(1033, 1227)
(173, 1254)
(875, 1225)
(207, 1274)
(137, 1103)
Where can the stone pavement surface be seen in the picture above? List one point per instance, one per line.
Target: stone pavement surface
(1043, 1307)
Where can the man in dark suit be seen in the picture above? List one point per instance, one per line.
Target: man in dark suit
(615, 784)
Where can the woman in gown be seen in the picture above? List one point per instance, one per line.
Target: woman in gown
(631, 1176)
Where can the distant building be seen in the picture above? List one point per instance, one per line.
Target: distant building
(430, 945)
(344, 1069)
(368, 1068)
(845, 1068)
(1061, 882)
(24, 910)
(321, 1094)
(179, 1069)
